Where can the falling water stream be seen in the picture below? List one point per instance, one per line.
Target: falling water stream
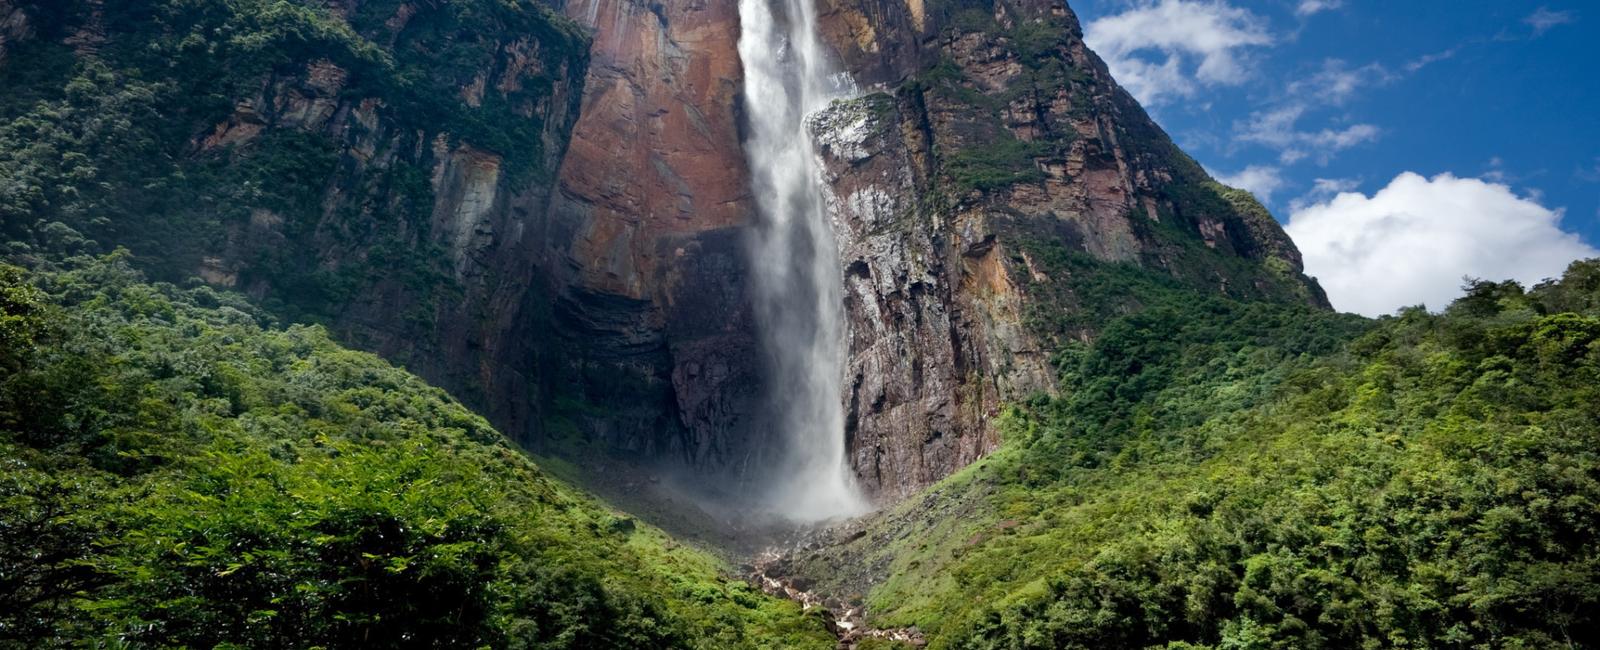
(799, 297)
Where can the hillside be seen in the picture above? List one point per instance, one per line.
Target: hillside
(180, 472)
(377, 167)
(1216, 474)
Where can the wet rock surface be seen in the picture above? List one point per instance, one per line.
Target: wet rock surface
(935, 340)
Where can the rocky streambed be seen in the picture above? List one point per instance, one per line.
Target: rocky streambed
(770, 571)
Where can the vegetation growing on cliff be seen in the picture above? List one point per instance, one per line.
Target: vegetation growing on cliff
(175, 471)
(1000, 71)
(1248, 476)
(1075, 295)
(996, 165)
(189, 130)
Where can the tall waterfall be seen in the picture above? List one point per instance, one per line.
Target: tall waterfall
(799, 293)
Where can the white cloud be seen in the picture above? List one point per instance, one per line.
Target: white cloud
(1149, 47)
(1430, 59)
(1278, 128)
(1260, 180)
(1323, 189)
(1309, 7)
(1413, 241)
(1496, 171)
(1337, 82)
(1544, 19)
(1345, 138)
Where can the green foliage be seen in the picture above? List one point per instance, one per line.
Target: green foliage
(990, 157)
(1219, 475)
(50, 519)
(1079, 295)
(175, 474)
(999, 164)
(22, 318)
(60, 157)
(106, 146)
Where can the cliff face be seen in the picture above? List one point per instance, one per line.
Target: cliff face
(463, 208)
(979, 196)
(545, 209)
(539, 208)
(998, 145)
(381, 167)
(647, 236)
(936, 336)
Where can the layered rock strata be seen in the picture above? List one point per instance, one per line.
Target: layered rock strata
(997, 138)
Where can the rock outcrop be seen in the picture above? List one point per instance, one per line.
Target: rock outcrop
(997, 138)
(936, 341)
(462, 297)
(14, 27)
(647, 236)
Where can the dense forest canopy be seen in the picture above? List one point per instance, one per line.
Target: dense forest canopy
(179, 472)
(1217, 474)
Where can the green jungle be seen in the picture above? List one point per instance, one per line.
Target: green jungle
(202, 464)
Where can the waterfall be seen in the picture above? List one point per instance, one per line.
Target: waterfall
(799, 294)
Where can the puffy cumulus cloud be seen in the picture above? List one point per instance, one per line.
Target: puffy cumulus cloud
(1260, 180)
(1151, 46)
(1413, 241)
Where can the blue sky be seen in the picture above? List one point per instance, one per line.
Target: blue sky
(1422, 140)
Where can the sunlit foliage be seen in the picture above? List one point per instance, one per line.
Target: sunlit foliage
(1223, 475)
(175, 474)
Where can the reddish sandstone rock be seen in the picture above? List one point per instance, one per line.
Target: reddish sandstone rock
(647, 232)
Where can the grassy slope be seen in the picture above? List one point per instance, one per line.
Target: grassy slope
(173, 472)
(1240, 476)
